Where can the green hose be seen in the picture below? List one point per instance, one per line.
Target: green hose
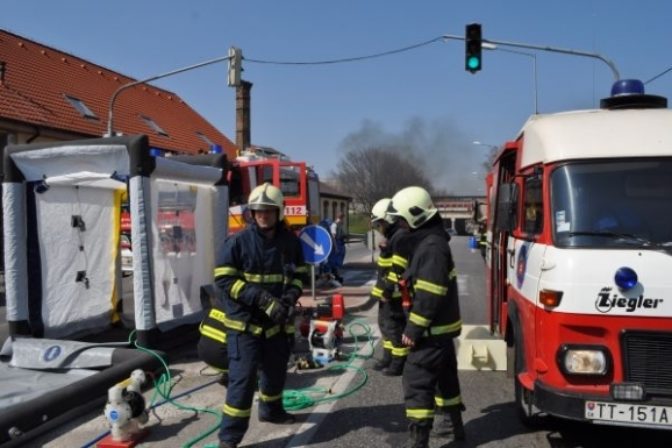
(292, 400)
(296, 399)
(164, 386)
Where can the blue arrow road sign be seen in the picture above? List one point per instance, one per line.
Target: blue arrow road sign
(316, 244)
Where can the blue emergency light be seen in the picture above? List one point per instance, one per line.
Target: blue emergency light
(629, 94)
(625, 278)
(627, 87)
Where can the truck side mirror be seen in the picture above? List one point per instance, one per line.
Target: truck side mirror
(507, 206)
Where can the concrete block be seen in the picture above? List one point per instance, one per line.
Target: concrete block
(478, 349)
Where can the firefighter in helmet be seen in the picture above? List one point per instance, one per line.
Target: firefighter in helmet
(261, 272)
(430, 377)
(392, 262)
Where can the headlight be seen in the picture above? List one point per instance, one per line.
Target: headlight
(584, 360)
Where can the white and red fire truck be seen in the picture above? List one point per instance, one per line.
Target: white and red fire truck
(579, 261)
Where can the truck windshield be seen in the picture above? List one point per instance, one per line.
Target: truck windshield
(615, 204)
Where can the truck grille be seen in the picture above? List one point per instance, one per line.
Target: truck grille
(647, 359)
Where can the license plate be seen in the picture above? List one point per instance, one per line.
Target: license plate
(634, 414)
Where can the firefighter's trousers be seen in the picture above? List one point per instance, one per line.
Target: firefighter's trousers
(430, 379)
(392, 321)
(213, 353)
(246, 354)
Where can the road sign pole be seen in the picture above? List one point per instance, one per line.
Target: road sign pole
(312, 281)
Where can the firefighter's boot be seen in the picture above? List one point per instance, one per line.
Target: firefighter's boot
(443, 425)
(458, 425)
(279, 417)
(418, 435)
(383, 363)
(396, 367)
(449, 422)
(223, 444)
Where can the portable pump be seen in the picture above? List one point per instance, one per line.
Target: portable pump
(125, 412)
(325, 331)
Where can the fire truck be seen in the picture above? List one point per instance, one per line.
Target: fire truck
(298, 183)
(579, 261)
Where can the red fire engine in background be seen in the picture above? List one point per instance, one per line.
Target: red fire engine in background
(299, 184)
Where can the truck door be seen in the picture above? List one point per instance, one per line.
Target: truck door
(502, 223)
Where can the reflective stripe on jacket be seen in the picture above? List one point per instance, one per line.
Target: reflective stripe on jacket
(392, 262)
(435, 311)
(251, 264)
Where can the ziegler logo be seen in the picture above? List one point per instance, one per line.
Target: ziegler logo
(606, 303)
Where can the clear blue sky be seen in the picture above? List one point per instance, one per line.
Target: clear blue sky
(424, 95)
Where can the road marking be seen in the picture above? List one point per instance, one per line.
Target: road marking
(309, 428)
(462, 284)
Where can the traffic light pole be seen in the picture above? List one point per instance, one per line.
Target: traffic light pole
(609, 63)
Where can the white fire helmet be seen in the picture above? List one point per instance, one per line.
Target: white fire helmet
(379, 211)
(266, 195)
(414, 204)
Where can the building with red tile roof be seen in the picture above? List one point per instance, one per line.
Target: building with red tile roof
(47, 94)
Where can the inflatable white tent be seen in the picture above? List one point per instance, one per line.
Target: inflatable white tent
(61, 209)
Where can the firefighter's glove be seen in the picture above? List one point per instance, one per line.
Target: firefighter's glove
(289, 299)
(274, 308)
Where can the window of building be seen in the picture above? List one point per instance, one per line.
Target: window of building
(205, 138)
(81, 107)
(152, 124)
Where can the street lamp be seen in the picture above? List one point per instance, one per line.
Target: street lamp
(110, 111)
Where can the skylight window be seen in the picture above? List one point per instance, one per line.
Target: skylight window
(81, 107)
(155, 127)
(204, 138)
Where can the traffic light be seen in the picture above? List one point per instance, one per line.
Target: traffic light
(235, 63)
(473, 61)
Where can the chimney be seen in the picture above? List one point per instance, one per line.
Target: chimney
(3, 66)
(243, 115)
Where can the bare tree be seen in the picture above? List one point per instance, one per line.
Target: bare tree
(369, 174)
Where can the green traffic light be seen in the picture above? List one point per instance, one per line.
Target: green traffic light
(473, 63)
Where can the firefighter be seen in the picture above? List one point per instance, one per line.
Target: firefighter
(261, 272)
(212, 344)
(430, 379)
(392, 262)
(482, 239)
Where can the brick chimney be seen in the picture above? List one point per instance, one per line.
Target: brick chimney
(243, 115)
